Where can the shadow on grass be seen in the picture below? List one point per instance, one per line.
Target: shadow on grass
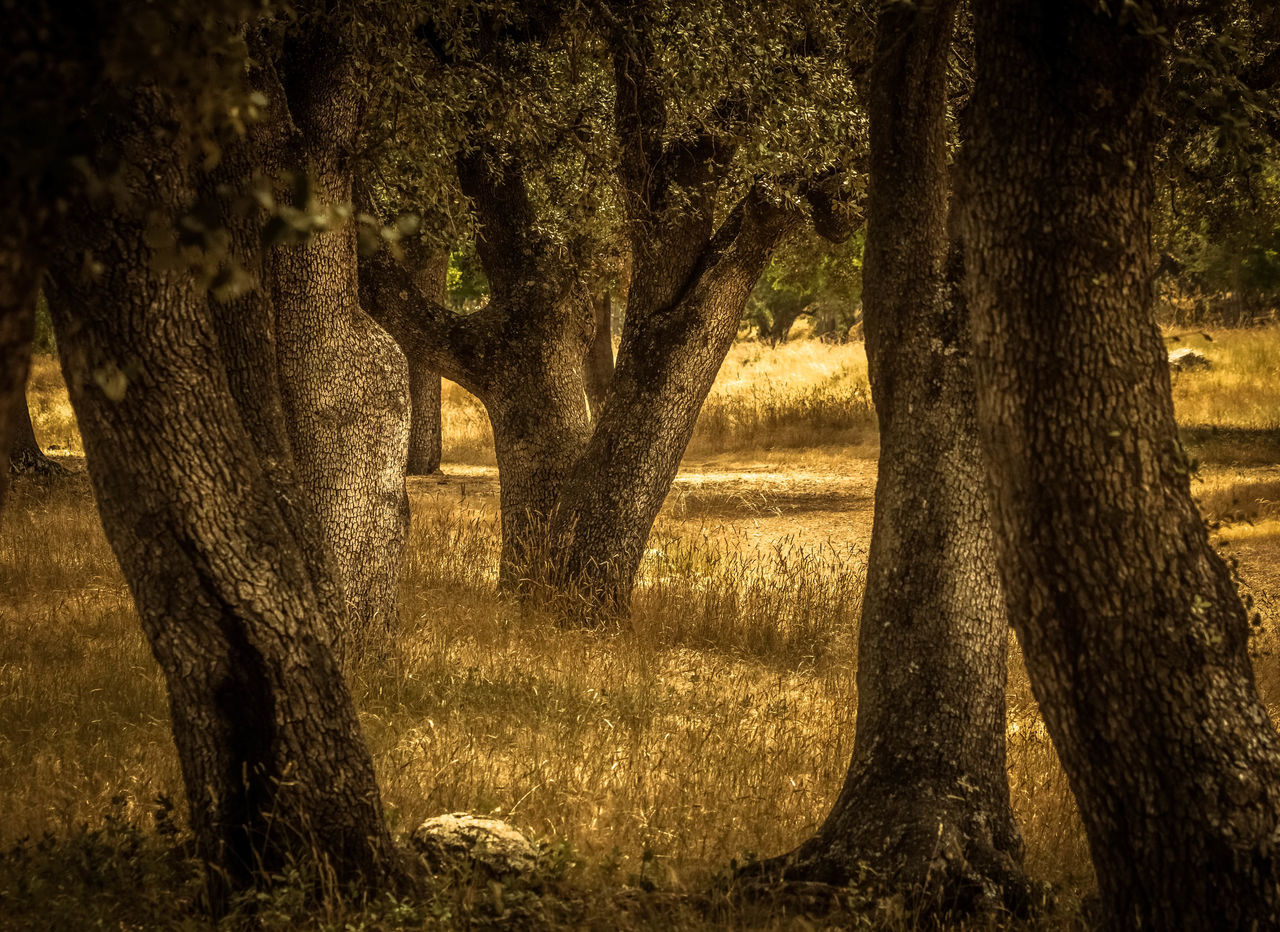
(1232, 446)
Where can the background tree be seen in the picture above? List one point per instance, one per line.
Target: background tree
(1216, 212)
(809, 277)
(25, 453)
(344, 379)
(1134, 637)
(620, 160)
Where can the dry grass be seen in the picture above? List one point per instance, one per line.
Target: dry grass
(1230, 414)
(800, 394)
(718, 723)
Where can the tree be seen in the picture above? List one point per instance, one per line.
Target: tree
(25, 454)
(1134, 637)
(344, 379)
(425, 437)
(924, 811)
(160, 290)
(20, 277)
(590, 493)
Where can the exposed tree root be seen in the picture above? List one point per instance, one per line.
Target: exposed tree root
(930, 862)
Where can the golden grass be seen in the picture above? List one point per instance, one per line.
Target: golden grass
(1230, 414)
(716, 724)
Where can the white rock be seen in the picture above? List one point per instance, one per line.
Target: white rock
(460, 839)
(1187, 359)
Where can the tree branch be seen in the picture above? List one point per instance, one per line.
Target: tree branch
(462, 347)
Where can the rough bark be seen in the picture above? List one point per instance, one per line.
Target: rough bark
(195, 493)
(667, 362)
(25, 454)
(924, 811)
(521, 355)
(425, 437)
(19, 285)
(1134, 637)
(344, 379)
(598, 362)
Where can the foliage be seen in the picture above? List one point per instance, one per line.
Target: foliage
(1217, 220)
(809, 276)
(533, 88)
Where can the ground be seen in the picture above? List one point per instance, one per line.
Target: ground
(714, 726)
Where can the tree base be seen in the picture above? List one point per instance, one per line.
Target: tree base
(927, 863)
(31, 461)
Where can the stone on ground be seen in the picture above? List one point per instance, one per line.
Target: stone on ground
(1187, 359)
(461, 840)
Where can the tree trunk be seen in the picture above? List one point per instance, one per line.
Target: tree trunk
(240, 618)
(667, 363)
(424, 380)
(540, 427)
(524, 362)
(925, 809)
(19, 286)
(599, 360)
(1134, 637)
(344, 379)
(25, 455)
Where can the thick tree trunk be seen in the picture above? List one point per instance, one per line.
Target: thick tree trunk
(240, 617)
(540, 427)
(344, 379)
(599, 359)
(1134, 637)
(525, 364)
(19, 286)
(925, 809)
(424, 380)
(25, 455)
(667, 363)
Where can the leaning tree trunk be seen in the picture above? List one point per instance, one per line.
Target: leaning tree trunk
(425, 436)
(345, 381)
(19, 286)
(240, 620)
(598, 363)
(667, 363)
(924, 812)
(25, 455)
(1134, 637)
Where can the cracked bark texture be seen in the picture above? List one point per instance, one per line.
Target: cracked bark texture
(598, 362)
(1134, 637)
(344, 379)
(425, 437)
(190, 461)
(924, 811)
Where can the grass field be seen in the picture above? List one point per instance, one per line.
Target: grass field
(715, 726)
